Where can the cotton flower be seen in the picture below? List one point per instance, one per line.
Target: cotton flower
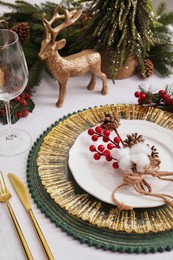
(137, 154)
(140, 148)
(141, 160)
(125, 163)
(123, 152)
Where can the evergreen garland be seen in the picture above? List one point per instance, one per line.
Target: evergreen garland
(161, 53)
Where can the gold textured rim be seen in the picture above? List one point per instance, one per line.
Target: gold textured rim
(57, 181)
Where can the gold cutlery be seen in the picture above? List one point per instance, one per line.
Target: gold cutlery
(5, 195)
(23, 194)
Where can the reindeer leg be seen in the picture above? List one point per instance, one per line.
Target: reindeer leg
(103, 76)
(92, 82)
(62, 93)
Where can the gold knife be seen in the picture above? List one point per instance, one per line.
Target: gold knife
(23, 194)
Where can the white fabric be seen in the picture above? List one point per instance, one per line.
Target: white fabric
(64, 247)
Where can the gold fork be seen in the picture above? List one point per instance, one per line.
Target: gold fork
(5, 195)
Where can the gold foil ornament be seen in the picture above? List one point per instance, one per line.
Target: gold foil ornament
(62, 68)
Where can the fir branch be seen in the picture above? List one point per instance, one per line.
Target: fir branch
(35, 73)
(9, 5)
(161, 53)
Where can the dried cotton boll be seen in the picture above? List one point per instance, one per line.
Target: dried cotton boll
(125, 164)
(123, 152)
(140, 148)
(142, 160)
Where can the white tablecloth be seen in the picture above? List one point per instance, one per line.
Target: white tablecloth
(45, 113)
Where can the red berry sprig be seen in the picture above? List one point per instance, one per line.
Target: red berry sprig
(99, 132)
(101, 150)
(20, 107)
(162, 98)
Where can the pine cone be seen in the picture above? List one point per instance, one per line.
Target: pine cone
(110, 122)
(149, 68)
(133, 139)
(154, 152)
(23, 31)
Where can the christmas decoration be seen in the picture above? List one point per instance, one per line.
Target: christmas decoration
(20, 107)
(23, 31)
(160, 51)
(64, 67)
(149, 68)
(134, 158)
(121, 29)
(162, 98)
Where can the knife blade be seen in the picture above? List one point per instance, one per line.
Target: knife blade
(23, 194)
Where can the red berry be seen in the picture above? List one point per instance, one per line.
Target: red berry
(142, 95)
(165, 96)
(94, 138)
(98, 129)
(18, 99)
(106, 153)
(105, 139)
(97, 156)
(161, 92)
(92, 148)
(19, 114)
(108, 158)
(25, 112)
(106, 133)
(24, 102)
(90, 131)
(101, 148)
(110, 146)
(22, 95)
(168, 101)
(27, 96)
(137, 94)
(7, 77)
(115, 165)
(139, 100)
(117, 140)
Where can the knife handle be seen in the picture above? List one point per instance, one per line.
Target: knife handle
(20, 233)
(41, 236)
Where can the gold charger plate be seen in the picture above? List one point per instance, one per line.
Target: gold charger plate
(58, 182)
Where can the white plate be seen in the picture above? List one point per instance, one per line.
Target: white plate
(99, 178)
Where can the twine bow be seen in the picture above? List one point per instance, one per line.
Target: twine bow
(142, 186)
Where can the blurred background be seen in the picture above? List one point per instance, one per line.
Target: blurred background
(155, 2)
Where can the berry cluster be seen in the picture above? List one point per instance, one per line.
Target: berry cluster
(20, 107)
(101, 150)
(22, 102)
(162, 98)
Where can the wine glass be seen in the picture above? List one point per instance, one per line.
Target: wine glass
(13, 80)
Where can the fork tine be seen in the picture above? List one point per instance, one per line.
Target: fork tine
(3, 185)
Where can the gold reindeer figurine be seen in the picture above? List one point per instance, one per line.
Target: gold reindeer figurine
(62, 68)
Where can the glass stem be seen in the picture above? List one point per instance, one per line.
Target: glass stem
(10, 135)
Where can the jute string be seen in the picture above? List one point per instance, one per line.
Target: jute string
(142, 186)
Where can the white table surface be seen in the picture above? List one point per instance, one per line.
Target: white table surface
(63, 246)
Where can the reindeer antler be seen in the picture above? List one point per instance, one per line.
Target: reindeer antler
(70, 18)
